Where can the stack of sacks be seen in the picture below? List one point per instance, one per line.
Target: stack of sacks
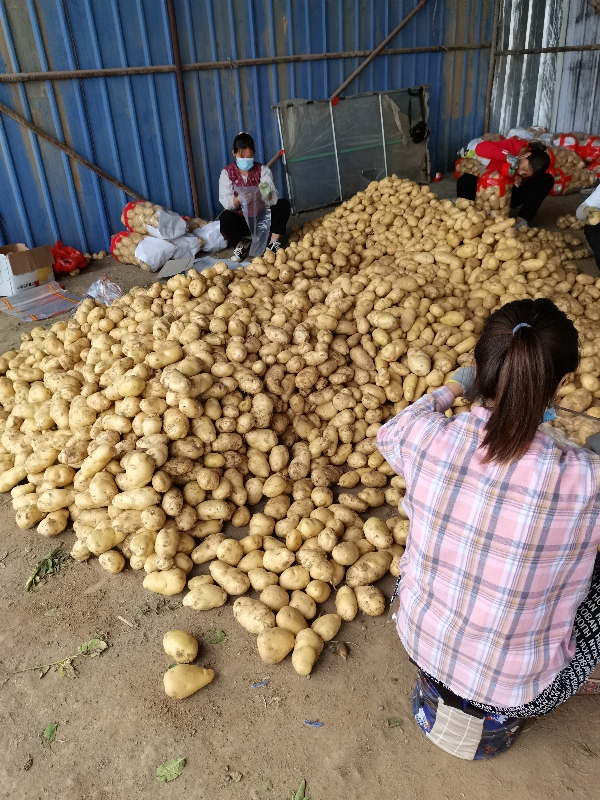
(154, 235)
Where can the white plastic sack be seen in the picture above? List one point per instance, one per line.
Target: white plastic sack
(154, 252)
(170, 225)
(185, 246)
(519, 133)
(211, 236)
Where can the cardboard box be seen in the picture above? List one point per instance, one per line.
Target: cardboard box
(22, 268)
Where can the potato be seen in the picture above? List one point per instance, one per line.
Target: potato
(169, 582)
(346, 603)
(278, 560)
(308, 637)
(183, 680)
(303, 659)
(260, 578)
(275, 644)
(199, 580)
(54, 523)
(368, 569)
(253, 560)
(294, 578)
(304, 604)
(230, 551)
(345, 553)
(274, 597)
(203, 597)
(377, 533)
(327, 626)
(181, 646)
(290, 618)
(112, 561)
(253, 615)
(370, 600)
(229, 578)
(318, 590)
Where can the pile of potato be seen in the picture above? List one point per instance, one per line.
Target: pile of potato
(137, 216)
(123, 248)
(192, 223)
(470, 166)
(569, 221)
(242, 399)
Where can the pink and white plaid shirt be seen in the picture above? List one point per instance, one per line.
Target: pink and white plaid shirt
(498, 557)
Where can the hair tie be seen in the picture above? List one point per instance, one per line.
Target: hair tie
(520, 325)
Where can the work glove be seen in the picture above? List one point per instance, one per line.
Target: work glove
(465, 376)
(593, 443)
(265, 190)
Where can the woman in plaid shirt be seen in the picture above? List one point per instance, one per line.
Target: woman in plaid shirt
(499, 596)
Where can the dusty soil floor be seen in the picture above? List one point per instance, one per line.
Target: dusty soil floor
(115, 724)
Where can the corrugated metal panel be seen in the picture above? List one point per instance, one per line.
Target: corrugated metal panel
(525, 86)
(579, 103)
(131, 127)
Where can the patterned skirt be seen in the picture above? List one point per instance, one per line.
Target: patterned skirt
(457, 727)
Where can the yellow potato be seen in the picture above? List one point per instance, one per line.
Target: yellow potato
(275, 644)
(253, 615)
(327, 626)
(203, 597)
(168, 582)
(346, 603)
(183, 680)
(181, 646)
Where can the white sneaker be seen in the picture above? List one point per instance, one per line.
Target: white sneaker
(238, 254)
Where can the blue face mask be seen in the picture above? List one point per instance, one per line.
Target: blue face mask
(245, 163)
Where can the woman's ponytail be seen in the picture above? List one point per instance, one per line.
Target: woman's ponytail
(524, 351)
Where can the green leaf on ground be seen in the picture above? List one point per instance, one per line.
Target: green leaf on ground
(300, 794)
(49, 733)
(49, 565)
(216, 636)
(92, 648)
(64, 666)
(169, 770)
(395, 722)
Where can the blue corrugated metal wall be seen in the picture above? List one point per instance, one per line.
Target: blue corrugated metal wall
(131, 126)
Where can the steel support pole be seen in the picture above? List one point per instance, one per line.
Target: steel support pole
(69, 151)
(185, 122)
(374, 53)
(200, 66)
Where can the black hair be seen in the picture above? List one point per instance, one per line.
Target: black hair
(243, 141)
(519, 371)
(539, 159)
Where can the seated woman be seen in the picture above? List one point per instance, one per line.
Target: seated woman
(500, 588)
(245, 171)
(532, 184)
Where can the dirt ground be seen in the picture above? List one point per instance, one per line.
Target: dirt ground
(115, 724)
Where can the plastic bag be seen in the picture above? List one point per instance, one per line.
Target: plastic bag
(66, 259)
(258, 218)
(154, 252)
(185, 246)
(170, 225)
(211, 237)
(104, 291)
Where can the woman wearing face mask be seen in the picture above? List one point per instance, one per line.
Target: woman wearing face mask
(532, 184)
(245, 171)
